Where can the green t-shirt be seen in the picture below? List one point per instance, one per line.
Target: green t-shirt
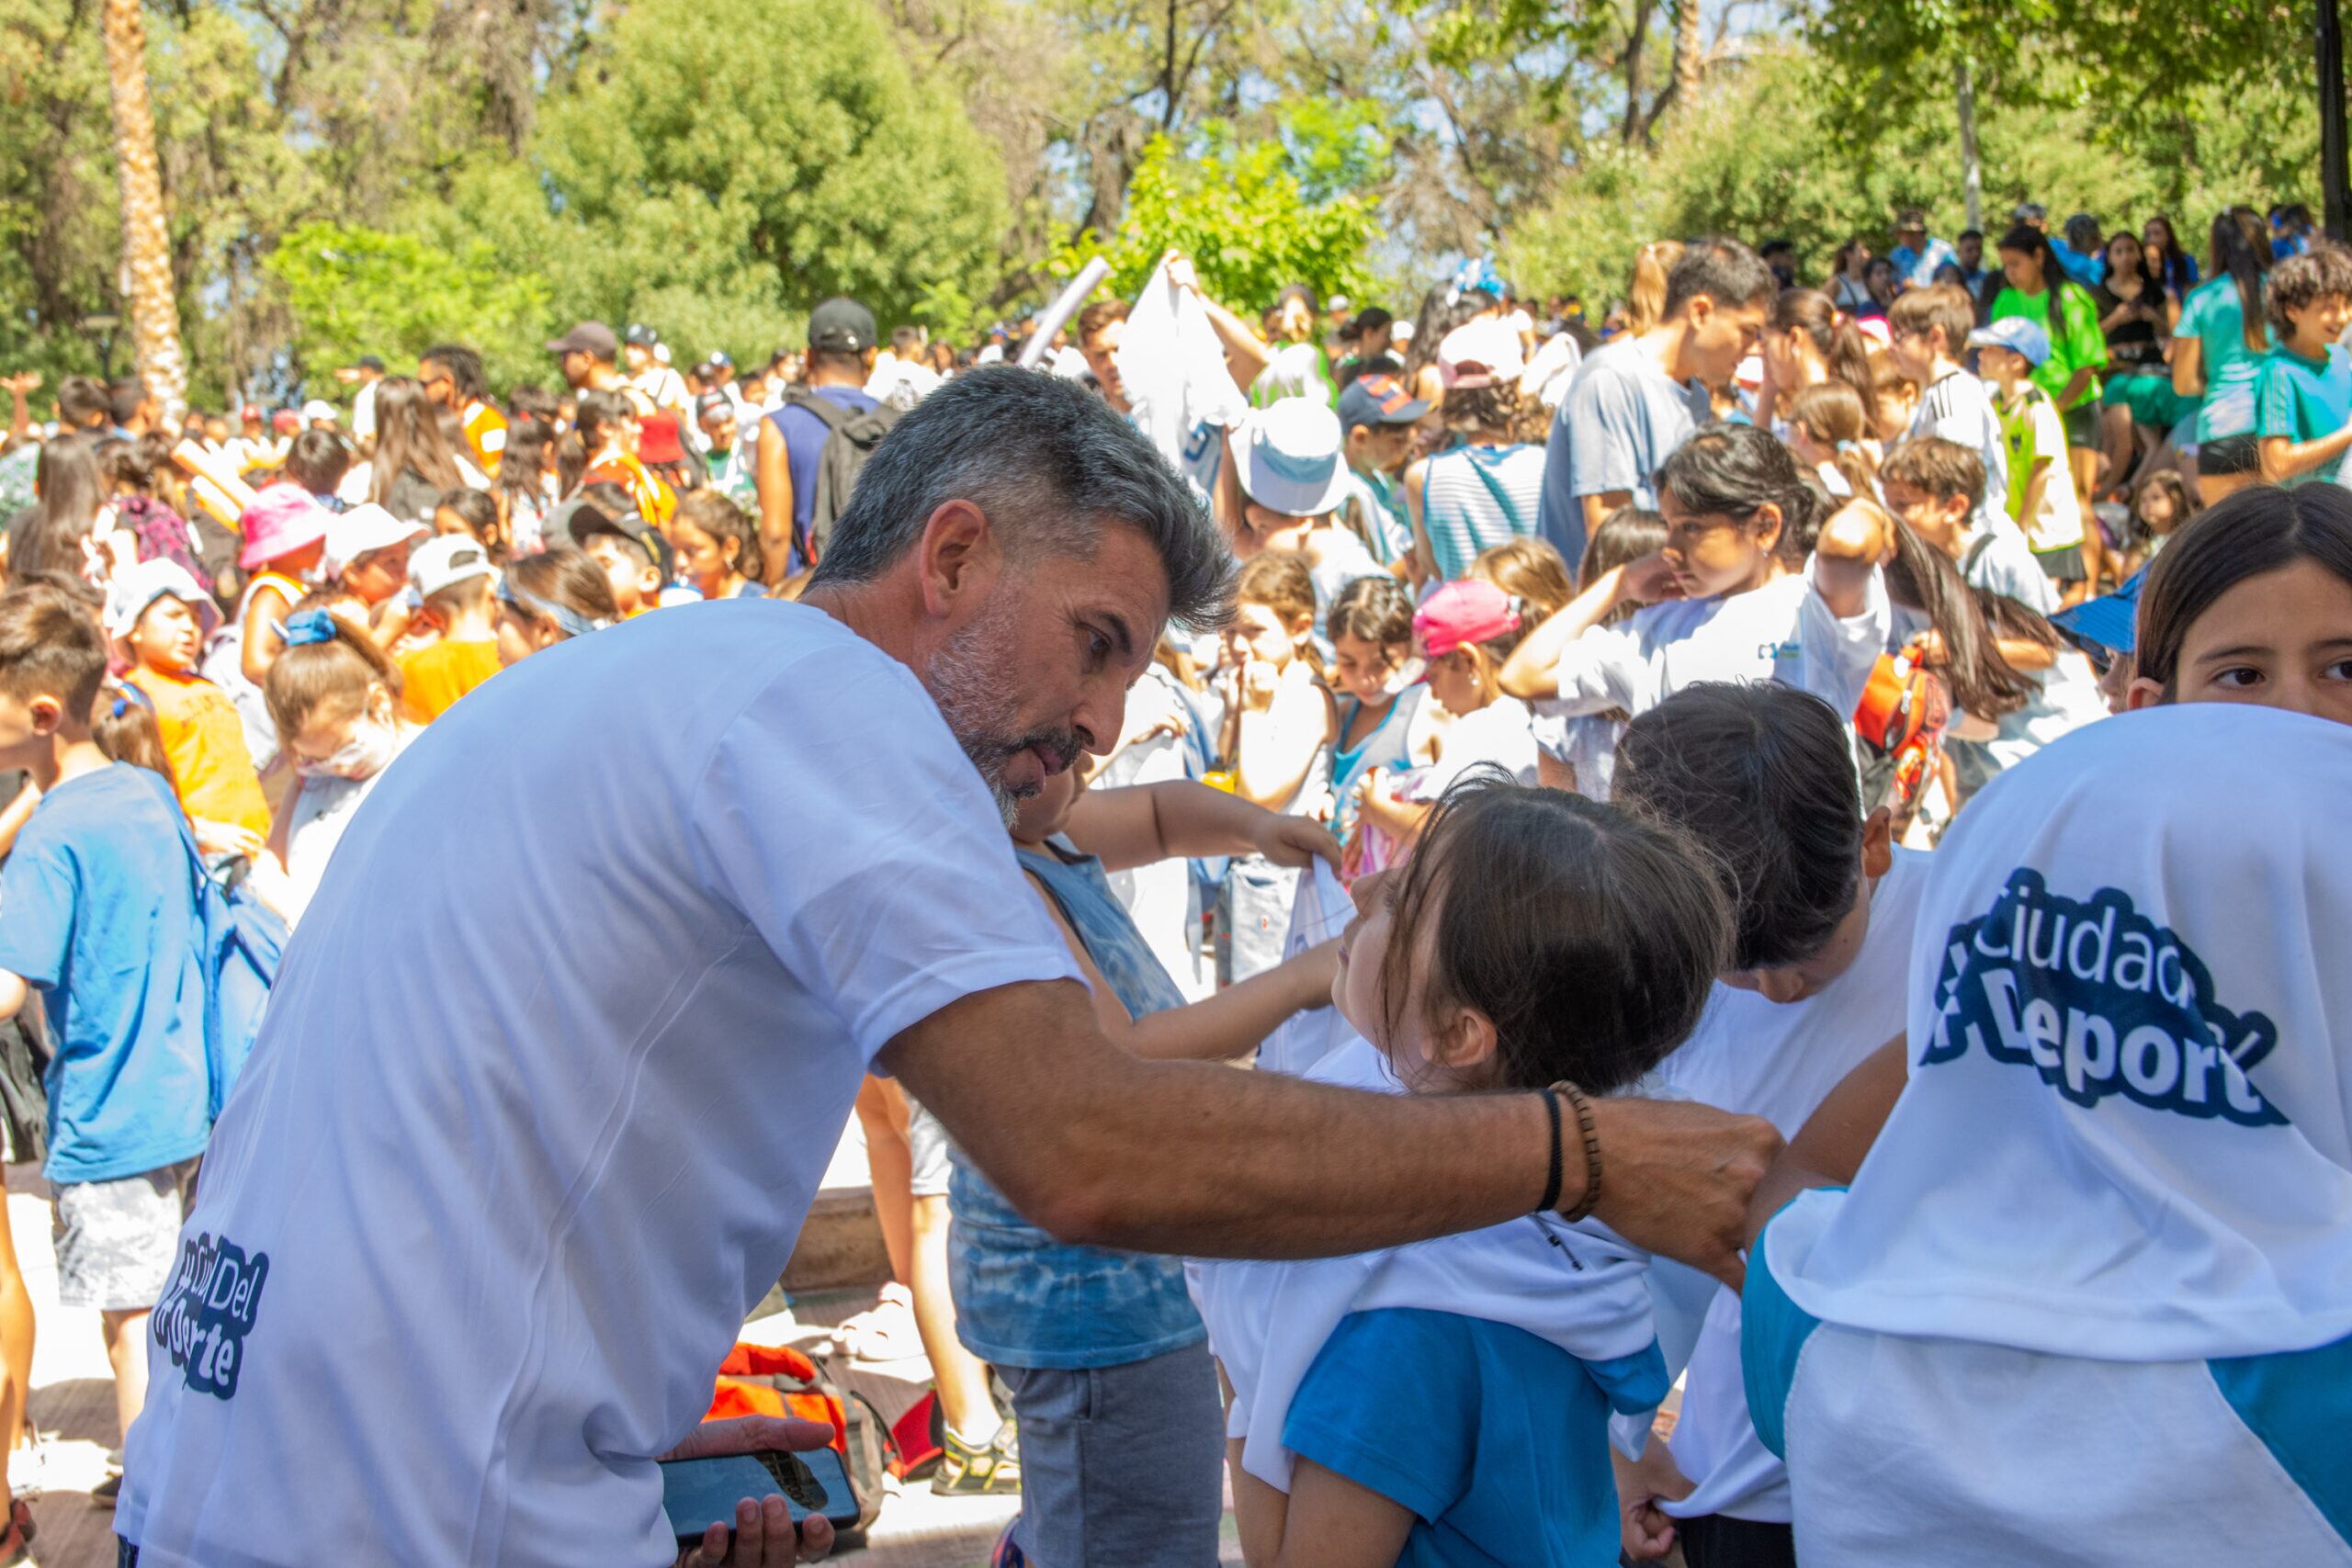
(2078, 344)
(2303, 400)
(2215, 317)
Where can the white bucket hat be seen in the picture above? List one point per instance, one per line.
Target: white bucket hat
(1291, 456)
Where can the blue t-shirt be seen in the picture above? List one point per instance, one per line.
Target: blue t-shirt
(804, 442)
(1496, 1439)
(97, 909)
(1621, 418)
(2303, 400)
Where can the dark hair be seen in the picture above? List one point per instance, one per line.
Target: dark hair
(1942, 468)
(1590, 937)
(317, 462)
(719, 515)
(122, 403)
(2259, 529)
(1723, 270)
(67, 481)
(564, 577)
(2298, 282)
(2028, 240)
(903, 339)
(2240, 247)
(479, 512)
(1763, 775)
(2082, 231)
(1834, 334)
(2173, 272)
(1437, 316)
(84, 400)
(1976, 234)
(2185, 501)
(529, 404)
(1735, 471)
(464, 366)
(408, 440)
(1942, 305)
(135, 465)
(521, 464)
(50, 647)
(1922, 578)
(1377, 610)
(1051, 465)
(1491, 407)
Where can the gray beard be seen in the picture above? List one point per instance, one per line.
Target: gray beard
(966, 678)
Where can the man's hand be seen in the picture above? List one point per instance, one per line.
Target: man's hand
(763, 1536)
(1676, 1177)
(1296, 840)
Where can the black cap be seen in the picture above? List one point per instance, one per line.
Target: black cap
(640, 336)
(841, 326)
(712, 403)
(593, 338)
(579, 520)
(370, 362)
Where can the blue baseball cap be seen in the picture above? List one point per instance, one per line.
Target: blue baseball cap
(2108, 620)
(1378, 399)
(2017, 336)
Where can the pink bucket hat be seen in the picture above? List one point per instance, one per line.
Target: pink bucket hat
(282, 519)
(1469, 610)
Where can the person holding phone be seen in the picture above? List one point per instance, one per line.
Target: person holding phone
(577, 1012)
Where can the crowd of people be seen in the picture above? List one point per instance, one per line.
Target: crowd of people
(1654, 682)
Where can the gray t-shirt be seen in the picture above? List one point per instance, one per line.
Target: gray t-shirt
(1621, 418)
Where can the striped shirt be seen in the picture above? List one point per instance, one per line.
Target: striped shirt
(1475, 498)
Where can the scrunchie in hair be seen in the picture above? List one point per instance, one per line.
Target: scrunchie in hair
(306, 626)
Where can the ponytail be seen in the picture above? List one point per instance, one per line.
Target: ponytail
(1922, 578)
(123, 726)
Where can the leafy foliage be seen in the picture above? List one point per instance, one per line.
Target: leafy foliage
(355, 291)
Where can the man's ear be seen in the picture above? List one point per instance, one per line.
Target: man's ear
(959, 555)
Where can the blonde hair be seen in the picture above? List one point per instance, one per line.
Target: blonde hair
(1530, 571)
(1646, 305)
(305, 677)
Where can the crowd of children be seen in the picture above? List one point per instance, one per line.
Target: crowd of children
(1564, 651)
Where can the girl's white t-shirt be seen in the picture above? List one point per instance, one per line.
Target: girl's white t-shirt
(2066, 697)
(1501, 733)
(1782, 631)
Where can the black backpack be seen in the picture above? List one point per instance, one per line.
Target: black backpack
(851, 437)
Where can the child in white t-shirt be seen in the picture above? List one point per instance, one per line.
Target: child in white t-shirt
(1449, 1401)
(1743, 590)
(2041, 490)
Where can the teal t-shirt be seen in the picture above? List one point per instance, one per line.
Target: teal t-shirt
(1496, 1440)
(2303, 400)
(2215, 317)
(2078, 344)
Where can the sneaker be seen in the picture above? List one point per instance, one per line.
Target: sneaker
(990, 1472)
(1007, 1553)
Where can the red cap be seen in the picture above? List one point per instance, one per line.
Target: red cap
(1464, 612)
(657, 439)
(286, 421)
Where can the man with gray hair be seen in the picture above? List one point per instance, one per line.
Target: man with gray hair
(543, 1094)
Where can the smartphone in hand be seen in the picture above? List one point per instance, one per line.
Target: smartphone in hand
(699, 1492)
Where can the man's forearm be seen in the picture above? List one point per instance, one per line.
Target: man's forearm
(1221, 1027)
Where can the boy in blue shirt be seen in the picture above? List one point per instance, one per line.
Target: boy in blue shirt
(101, 917)
(2302, 395)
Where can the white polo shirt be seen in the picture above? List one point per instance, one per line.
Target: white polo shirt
(550, 1076)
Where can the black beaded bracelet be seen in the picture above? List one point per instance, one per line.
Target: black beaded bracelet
(1552, 1182)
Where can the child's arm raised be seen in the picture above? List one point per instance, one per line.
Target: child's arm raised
(1143, 823)
(1532, 671)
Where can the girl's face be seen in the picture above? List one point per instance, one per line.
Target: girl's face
(2281, 639)
(167, 636)
(1459, 681)
(2122, 254)
(1041, 816)
(1880, 279)
(346, 740)
(2156, 510)
(448, 522)
(379, 574)
(2022, 271)
(1439, 1057)
(632, 584)
(1365, 669)
(521, 634)
(1710, 553)
(1785, 356)
(703, 559)
(1258, 632)
(2157, 235)
(1264, 529)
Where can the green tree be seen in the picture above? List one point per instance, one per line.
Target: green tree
(1298, 208)
(768, 152)
(355, 291)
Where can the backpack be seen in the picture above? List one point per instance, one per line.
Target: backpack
(776, 1379)
(851, 436)
(242, 941)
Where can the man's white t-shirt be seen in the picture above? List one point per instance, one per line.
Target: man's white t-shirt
(550, 1076)
(1757, 1058)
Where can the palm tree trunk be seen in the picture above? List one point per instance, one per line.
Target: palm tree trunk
(1686, 53)
(146, 241)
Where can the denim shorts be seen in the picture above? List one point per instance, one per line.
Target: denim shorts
(1121, 1464)
(117, 1241)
